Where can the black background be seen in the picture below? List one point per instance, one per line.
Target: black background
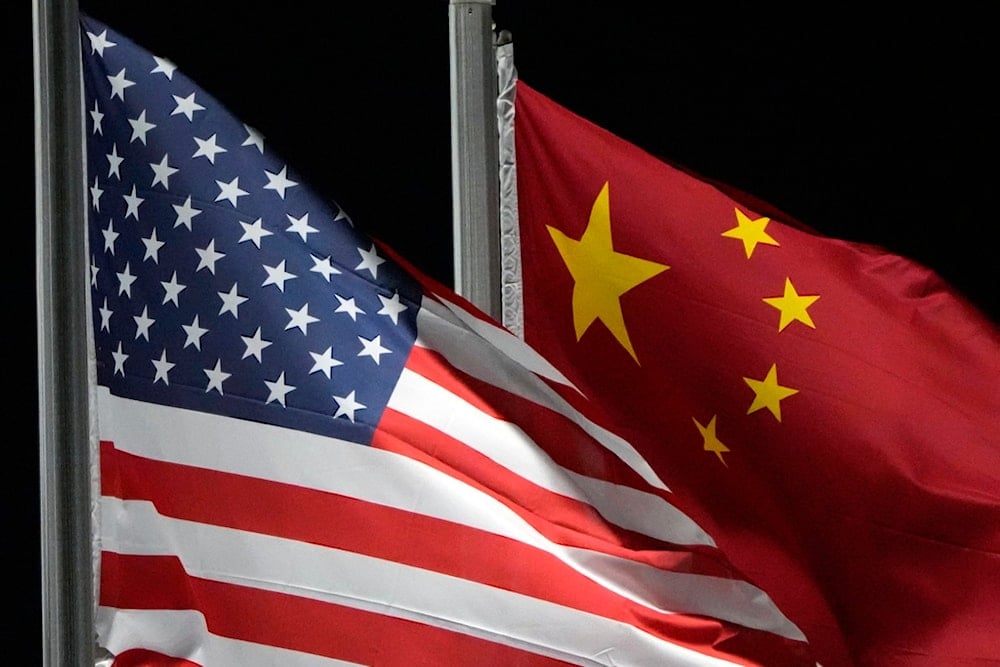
(875, 127)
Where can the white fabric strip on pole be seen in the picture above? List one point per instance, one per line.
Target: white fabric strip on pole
(510, 238)
(61, 289)
(475, 181)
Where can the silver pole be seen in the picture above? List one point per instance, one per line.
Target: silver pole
(61, 283)
(474, 152)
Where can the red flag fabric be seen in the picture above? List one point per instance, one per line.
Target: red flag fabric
(311, 455)
(828, 410)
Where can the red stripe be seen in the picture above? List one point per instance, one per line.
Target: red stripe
(292, 622)
(140, 657)
(326, 519)
(565, 442)
(572, 523)
(560, 519)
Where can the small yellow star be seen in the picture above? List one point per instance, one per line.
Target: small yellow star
(601, 275)
(751, 232)
(768, 393)
(792, 306)
(712, 442)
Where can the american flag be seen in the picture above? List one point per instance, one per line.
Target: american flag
(312, 455)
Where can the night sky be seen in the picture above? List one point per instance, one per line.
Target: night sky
(875, 128)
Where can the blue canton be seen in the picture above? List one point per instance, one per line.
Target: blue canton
(218, 281)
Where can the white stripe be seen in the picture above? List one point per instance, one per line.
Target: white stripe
(499, 440)
(318, 462)
(442, 331)
(511, 447)
(509, 344)
(386, 587)
(183, 634)
(641, 512)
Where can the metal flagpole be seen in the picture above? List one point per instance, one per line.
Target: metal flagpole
(61, 279)
(475, 165)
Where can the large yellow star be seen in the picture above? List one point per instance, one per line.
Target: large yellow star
(792, 306)
(601, 275)
(768, 393)
(712, 442)
(751, 232)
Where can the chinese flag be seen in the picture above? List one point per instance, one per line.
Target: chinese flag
(828, 411)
